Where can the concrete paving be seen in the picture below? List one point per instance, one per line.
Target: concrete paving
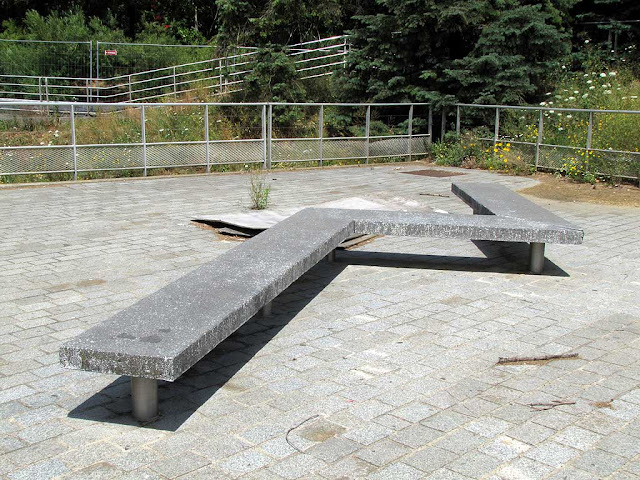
(362, 371)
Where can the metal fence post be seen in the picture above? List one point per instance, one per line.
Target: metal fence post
(130, 86)
(457, 120)
(443, 123)
(269, 136)
(410, 131)
(590, 131)
(367, 132)
(97, 60)
(220, 76)
(144, 142)
(496, 132)
(175, 87)
(91, 69)
(264, 136)
(540, 134)
(87, 96)
(206, 138)
(320, 133)
(73, 143)
(46, 89)
(40, 88)
(430, 124)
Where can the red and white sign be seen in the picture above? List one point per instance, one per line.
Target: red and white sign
(111, 53)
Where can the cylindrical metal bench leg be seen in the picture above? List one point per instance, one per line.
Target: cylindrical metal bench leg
(536, 259)
(266, 310)
(331, 257)
(144, 394)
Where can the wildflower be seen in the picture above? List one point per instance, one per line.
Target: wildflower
(592, 87)
(569, 116)
(585, 95)
(633, 96)
(589, 81)
(612, 74)
(603, 75)
(607, 92)
(586, 41)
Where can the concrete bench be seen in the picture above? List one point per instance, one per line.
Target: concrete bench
(165, 334)
(494, 199)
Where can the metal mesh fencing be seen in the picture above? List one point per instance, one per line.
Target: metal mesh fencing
(116, 59)
(36, 160)
(87, 138)
(574, 141)
(46, 58)
(109, 157)
(243, 151)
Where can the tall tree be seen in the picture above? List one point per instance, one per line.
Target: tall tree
(469, 50)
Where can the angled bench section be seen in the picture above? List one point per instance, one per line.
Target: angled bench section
(495, 199)
(165, 334)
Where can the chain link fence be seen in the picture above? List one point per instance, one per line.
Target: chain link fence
(74, 139)
(574, 141)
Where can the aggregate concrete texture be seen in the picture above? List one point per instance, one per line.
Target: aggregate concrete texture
(389, 372)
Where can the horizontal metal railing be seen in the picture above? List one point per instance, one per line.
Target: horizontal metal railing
(143, 152)
(221, 75)
(549, 156)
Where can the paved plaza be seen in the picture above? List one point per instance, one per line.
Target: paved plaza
(379, 366)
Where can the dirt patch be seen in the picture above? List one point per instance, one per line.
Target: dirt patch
(320, 431)
(432, 172)
(565, 190)
(605, 404)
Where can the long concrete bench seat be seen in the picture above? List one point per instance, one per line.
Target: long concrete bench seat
(165, 334)
(494, 199)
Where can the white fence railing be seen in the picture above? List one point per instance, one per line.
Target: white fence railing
(218, 75)
(161, 135)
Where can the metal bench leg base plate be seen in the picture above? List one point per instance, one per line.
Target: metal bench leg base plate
(266, 310)
(331, 257)
(536, 264)
(144, 394)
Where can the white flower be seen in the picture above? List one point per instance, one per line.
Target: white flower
(633, 96)
(586, 41)
(569, 116)
(592, 87)
(607, 92)
(585, 95)
(603, 75)
(551, 111)
(550, 103)
(612, 74)
(589, 81)
(560, 128)
(576, 91)
(572, 98)
(542, 104)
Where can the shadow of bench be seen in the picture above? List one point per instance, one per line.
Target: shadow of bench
(163, 335)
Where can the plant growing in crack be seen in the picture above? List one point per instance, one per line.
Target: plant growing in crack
(259, 190)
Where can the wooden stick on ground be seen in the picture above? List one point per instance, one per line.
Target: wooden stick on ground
(550, 405)
(535, 359)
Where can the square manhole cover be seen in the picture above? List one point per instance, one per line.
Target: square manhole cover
(431, 172)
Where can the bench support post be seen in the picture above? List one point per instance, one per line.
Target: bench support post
(331, 257)
(266, 310)
(536, 259)
(144, 394)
